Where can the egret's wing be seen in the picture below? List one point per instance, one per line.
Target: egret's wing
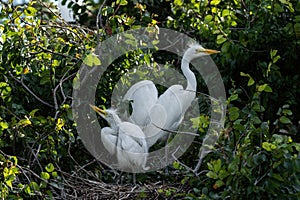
(170, 100)
(143, 96)
(135, 137)
(109, 139)
(158, 121)
(176, 101)
(132, 147)
(168, 113)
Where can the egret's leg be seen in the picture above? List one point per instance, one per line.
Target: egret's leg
(119, 177)
(134, 178)
(166, 155)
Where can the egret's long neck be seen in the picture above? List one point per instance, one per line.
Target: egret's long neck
(114, 121)
(189, 75)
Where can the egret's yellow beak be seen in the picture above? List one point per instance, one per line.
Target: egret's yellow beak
(98, 110)
(208, 51)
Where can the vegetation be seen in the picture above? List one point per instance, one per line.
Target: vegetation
(257, 155)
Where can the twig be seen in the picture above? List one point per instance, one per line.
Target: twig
(99, 21)
(179, 132)
(184, 165)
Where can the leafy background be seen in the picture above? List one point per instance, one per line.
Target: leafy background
(257, 154)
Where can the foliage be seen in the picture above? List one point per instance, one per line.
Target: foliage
(257, 155)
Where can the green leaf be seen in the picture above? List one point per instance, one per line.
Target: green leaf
(30, 11)
(287, 112)
(277, 177)
(264, 87)
(28, 190)
(225, 12)
(45, 175)
(9, 179)
(233, 97)
(215, 2)
(91, 60)
(285, 120)
(251, 80)
(219, 183)
(50, 167)
(268, 89)
(54, 174)
(60, 123)
(217, 165)
(129, 36)
(76, 82)
(122, 2)
(33, 185)
(276, 59)
(268, 146)
(32, 113)
(233, 113)
(273, 53)
(24, 122)
(225, 47)
(178, 2)
(147, 59)
(256, 120)
(210, 166)
(220, 39)
(131, 42)
(3, 125)
(258, 108)
(208, 18)
(212, 175)
(223, 174)
(176, 165)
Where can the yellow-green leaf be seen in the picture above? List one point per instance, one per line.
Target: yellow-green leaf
(208, 18)
(91, 60)
(45, 175)
(215, 2)
(3, 125)
(264, 88)
(24, 122)
(60, 123)
(122, 2)
(220, 39)
(50, 167)
(268, 146)
(178, 2)
(212, 175)
(250, 81)
(76, 82)
(225, 12)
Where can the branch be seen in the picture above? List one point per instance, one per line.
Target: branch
(99, 21)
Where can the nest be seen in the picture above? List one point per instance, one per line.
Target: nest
(75, 187)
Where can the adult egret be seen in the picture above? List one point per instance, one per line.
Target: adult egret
(125, 140)
(153, 113)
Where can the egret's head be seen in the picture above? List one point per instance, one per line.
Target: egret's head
(101, 112)
(196, 50)
(109, 115)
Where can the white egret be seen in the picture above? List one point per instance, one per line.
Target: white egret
(125, 140)
(153, 113)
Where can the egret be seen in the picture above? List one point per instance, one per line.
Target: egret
(125, 140)
(153, 113)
